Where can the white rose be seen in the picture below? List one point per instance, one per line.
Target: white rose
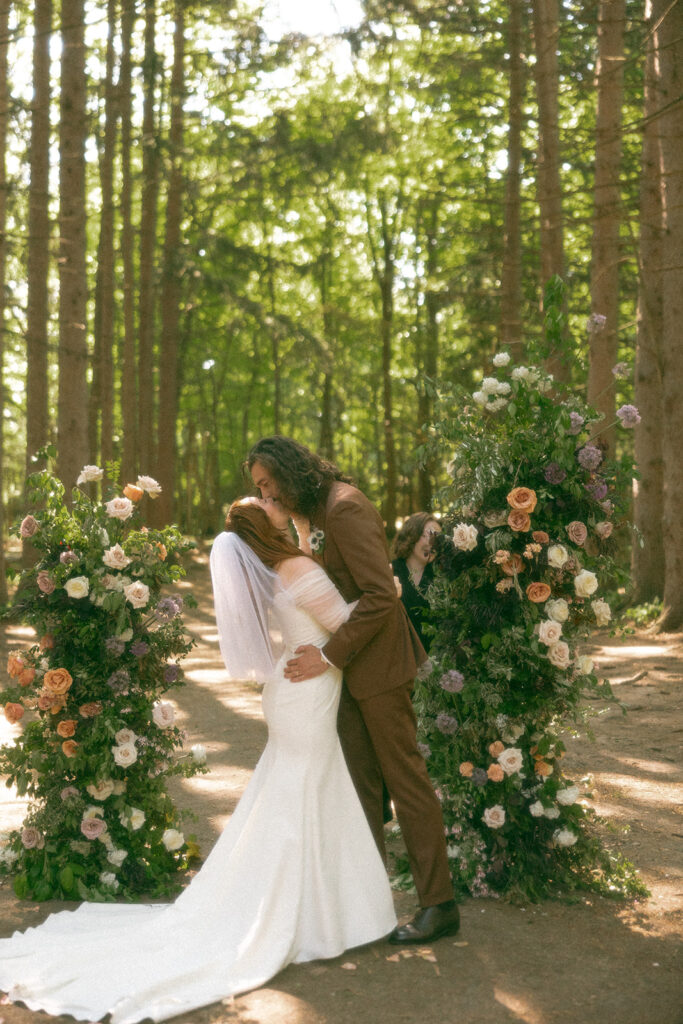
(494, 816)
(135, 819)
(89, 473)
(198, 752)
(453, 851)
(149, 484)
(117, 857)
(503, 387)
(124, 736)
(602, 611)
(586, 583)
(479, 397)
(564, 837)
(116, 557)
(567, 796)
(77, 586)
(163, 714)
(501, 359)
(465, 537)
(125, 754)
(109, 879)
(510, 760)
(172, 839)
(558, 655)
(557, 609)
(489, 385)
(584, 665)
(137, 594)
(557, 555)
(551, 812)
(603, 530)
(536, 809)
(8, 856)
(520, 373)
(549, 632)
(496, 404)
(101, 790)
(119, 508)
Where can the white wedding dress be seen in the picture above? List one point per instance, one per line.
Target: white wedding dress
(295, 876)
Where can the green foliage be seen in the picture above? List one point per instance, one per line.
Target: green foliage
(98, 742)
(533, 509)
(643, 614)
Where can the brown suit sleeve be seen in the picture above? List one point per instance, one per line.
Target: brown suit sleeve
(359, 536)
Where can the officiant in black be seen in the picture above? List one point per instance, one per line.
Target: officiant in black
(412, 564)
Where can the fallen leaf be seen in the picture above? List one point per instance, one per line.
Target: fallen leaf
(348, 967)
(394, 958)
(461, 943)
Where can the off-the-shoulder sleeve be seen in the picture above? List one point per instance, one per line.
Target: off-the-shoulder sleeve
(314, 591)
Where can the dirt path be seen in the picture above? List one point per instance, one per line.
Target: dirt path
(589, 962)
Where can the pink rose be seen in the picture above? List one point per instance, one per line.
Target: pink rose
(45, 582)
(92, 828)
(31, 838)
(577, 532)
(603, 530)
(28, 527)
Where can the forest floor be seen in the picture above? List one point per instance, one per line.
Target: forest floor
(592, 961)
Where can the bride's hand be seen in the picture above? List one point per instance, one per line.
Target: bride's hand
(309, 664)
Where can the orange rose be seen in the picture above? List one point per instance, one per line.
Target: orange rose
(15, 665)
(496, 748)
(13, 712)
(466, 769)
(57, 680)
(541, 537)
(523, 499)
(538, 592)
(60, 703)
(513, 565)
(495, 773)
(133, 492)
(69, 748)
(66, 728)
(542, 767)
(53, 702)
(519, 521)
(27, 676)
(161, 548)
(91, 710)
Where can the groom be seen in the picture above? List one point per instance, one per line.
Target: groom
(379, 653)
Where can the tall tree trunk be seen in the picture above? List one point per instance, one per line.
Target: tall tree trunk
(326, 438)
(171, 284)
(129, 387)
(385, 274)
(546, 37)
(148, 233)
(102, 388)
(4, 116)
(648, 546)
(606, 215)
(72, 419)
(38, 257)
(669, 32)
(430, 356)
(511, 277)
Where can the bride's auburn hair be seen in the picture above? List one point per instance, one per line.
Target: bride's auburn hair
(252, 525)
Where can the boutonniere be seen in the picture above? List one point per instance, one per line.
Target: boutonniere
(316, 541)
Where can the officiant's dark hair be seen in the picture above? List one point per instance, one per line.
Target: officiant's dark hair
(251, 523)
(304, 478)
(410, 533)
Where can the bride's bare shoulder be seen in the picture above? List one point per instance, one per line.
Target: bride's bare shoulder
(294, 568)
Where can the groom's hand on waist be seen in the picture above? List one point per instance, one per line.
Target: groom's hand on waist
(307, 665)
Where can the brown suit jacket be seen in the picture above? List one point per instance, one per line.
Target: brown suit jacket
(377, 647)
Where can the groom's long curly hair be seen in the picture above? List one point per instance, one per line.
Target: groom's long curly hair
(304, 478)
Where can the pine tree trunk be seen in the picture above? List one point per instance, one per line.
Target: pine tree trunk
(511, 277)
(430, 360)
(38, 248)
(72, 409)
(606, 217)
(648, 547)
(148, 233)
(4, 115)
(129, 388)
(669, 34)
(171, 285)
(386, 283)
(546, 37)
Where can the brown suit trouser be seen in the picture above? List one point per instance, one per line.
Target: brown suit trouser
(379, 739)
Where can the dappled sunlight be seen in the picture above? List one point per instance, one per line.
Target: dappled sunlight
(642, 765)
(656, 794)
(264, 1006)
(519, 1006)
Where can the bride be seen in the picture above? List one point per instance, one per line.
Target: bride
(295, 875)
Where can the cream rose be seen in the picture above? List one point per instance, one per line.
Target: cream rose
(101, 790)
(584, 665)
(149, 484)
(465, 537)
(77, 586)
(494, 816)
(564, 837)
(536, 809)
(119, 508)
(558, 655)
(137, 594)
(172, 839)
(602, 611)
(549, 632)
(557, 609)
(124, 736)
(585, 583)
(163, 714)
(90, 473)
(125, 754)
(117, 857)
(557, 556)
(510, 760)
(567, 796)
(109, 880)
(551, 812)
(603, 530)
(116, 557)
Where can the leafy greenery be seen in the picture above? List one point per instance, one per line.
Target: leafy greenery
(98, 743)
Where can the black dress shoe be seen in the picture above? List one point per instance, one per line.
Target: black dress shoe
(428, 924)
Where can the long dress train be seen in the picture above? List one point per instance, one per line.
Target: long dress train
(295, 875)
